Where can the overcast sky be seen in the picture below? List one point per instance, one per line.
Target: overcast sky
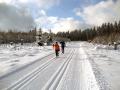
(57, 15)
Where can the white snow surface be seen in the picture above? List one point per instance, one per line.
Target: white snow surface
(105, 63)
(83, 66)
(16, 56)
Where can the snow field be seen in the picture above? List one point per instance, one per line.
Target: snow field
(82, 67)
(11, 59)
(105, 63)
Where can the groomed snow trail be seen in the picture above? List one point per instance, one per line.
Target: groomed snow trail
(21, 75)
(79, 74)
(70, 71)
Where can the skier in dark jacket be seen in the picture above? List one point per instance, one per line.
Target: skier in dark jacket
(62, 46)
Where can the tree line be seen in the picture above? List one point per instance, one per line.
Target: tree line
(105, 31)
(17, 37)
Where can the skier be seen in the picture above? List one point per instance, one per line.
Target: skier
(57, 48)
(62, 46)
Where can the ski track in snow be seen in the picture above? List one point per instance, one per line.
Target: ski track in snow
(79, 75)
(24, 72)
(31, 76)
(57, 76)
(70, 71)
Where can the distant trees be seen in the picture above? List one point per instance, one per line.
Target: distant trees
(16, 37)
(105, 30)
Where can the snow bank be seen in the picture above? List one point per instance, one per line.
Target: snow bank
(106, 47)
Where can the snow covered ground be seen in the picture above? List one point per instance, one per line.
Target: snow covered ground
(16, 56)
(84, 66)
(106, 65)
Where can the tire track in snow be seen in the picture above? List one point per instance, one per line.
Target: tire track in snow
(30, 76)
(55, 79)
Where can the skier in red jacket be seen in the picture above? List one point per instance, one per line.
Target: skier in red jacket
(57, 48)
